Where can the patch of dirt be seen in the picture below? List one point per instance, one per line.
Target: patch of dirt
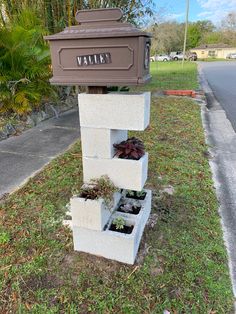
(46, 281)
(163, 205)
(155, 271)
(152, 220)
(143, 251)
(69, 260)
(169, 189)
(79, 261)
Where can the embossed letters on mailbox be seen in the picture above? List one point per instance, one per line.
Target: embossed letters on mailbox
(98, 58)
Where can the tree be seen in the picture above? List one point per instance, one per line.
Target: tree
(57, 14)
(228, 29)
(229, 22)
(197, 30)
(167, 37)
(212, 38)
(194, 35)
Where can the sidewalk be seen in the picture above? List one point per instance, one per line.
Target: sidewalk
(22, 156)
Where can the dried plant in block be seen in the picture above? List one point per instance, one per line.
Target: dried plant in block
(102, 187)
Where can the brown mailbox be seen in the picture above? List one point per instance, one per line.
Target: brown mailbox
(100, 51)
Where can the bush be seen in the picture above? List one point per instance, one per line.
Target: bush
(24, 65)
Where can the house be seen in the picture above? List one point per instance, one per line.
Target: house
(213, 51)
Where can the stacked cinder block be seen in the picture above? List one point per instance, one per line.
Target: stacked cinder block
(105, 120)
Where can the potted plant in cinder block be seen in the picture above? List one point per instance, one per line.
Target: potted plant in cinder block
(120, 225)
(94, 203)
(132, 207)
(132, 148)
(127, 169)
(137, 195)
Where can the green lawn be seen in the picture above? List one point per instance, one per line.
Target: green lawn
(215, 59)
(182, 262)
(171, 75)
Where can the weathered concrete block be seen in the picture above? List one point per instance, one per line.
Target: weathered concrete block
(111, 244)
(124, 173)
(121, 111)
(91, 214)
(98, 143)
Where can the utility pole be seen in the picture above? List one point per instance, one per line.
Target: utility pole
(186, 30)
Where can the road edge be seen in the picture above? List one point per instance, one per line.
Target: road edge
(220, 174)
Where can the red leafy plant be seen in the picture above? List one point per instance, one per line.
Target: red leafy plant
(132, 148)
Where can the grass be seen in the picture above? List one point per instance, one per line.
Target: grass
(171, 75)
(182, 262)
(214, 59)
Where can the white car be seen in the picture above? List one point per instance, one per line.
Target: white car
(176, 55)
(231, 55)
(162, 58)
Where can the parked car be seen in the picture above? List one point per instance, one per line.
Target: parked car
(163, 58)
(153, 58)
(176, 55)
(192, 56)
(231, 55)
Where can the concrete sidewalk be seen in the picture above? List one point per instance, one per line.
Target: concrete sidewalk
(22, 156)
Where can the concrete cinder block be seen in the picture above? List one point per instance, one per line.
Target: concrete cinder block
(91, 214)
(124, 173)
(121, 111)
(98, 143)
(111, 244)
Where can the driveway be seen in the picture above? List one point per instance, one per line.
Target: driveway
(221, 76)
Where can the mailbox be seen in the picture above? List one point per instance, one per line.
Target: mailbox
(100, 51)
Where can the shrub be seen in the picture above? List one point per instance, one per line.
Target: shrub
(24, 65)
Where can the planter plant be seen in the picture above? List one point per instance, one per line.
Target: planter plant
(102, 187)
(137, 195)
(132, 148)
(130, 207)
(117, 241)
(119, 225)
(94, 204)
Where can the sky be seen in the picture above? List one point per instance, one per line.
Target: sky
(214, 10)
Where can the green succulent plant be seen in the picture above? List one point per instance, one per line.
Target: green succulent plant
(119, 223)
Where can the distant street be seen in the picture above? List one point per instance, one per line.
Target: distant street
(221, 76)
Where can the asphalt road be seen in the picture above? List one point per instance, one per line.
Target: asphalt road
(221, 76)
